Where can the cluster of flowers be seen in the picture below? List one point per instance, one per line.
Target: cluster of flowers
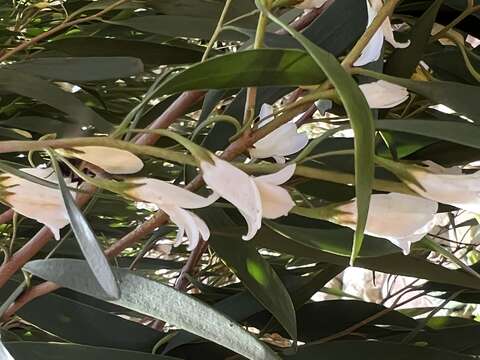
(402, 219)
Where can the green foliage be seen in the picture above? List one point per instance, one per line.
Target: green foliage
(81, 68)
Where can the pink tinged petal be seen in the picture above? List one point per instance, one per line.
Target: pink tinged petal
(278, 178)
(383, 95)
(388, 33)
(36, 201)
(161, 192)
(401, 219)
(112, 160)
(189, 223)
(276, 201)
(281, 142)
(373, 50)
(462, 191)
(236, 187)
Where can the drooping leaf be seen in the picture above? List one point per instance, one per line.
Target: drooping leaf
(149, 53)
(80, 69)
(41, 90)
(361, 120)
(88, 241)
(158, 301)
(255, 272)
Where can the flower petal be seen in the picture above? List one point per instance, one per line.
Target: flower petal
(161, 192)
(276, 201)
(278, 178)
(38, 202)
(238, 188)
(462, 191)
(388, 34)
(383, 95)
(281, 142)
(187, 222)
(112, 160)
(373, 50)
(400, 218)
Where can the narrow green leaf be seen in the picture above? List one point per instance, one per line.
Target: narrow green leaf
(50, 351)
(252, 269)
(158, 301)
(261, 67)
(87, 240)
(463, 133)
(360, 117)
(403, 62)
(369, 350)
(80, 68)
(41, 90)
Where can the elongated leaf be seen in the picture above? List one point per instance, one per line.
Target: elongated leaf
(50, 351)
(156, 300)
(148, 52)
(87, 240)
(460, 97)
(255, 272)
(248, 68)
(179, 26)
(369, 350)
(403, 62)
(33, 87)
(462, 133)
(335, 241)
(392, 264)
(80, 69)
(72, 320)
(361, 120)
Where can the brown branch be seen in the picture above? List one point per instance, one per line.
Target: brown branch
(6, 216)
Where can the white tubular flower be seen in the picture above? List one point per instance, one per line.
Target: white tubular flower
(279, 143)
(310, 4)
(174, 200)
(112, 160)
(446, 186)
(276, 201)
(384, 95)
(35, 201)
(253, 197)
(373, 50)
(401, 219)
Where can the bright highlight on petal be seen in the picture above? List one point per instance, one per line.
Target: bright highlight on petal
(276, 201)
(35, 201)
(174, 200)
(439, 184)
(401, 219)
(383, 95)
(254, 197)
(236, 187)
(113, 161)
(373, 50)
(279, 143)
